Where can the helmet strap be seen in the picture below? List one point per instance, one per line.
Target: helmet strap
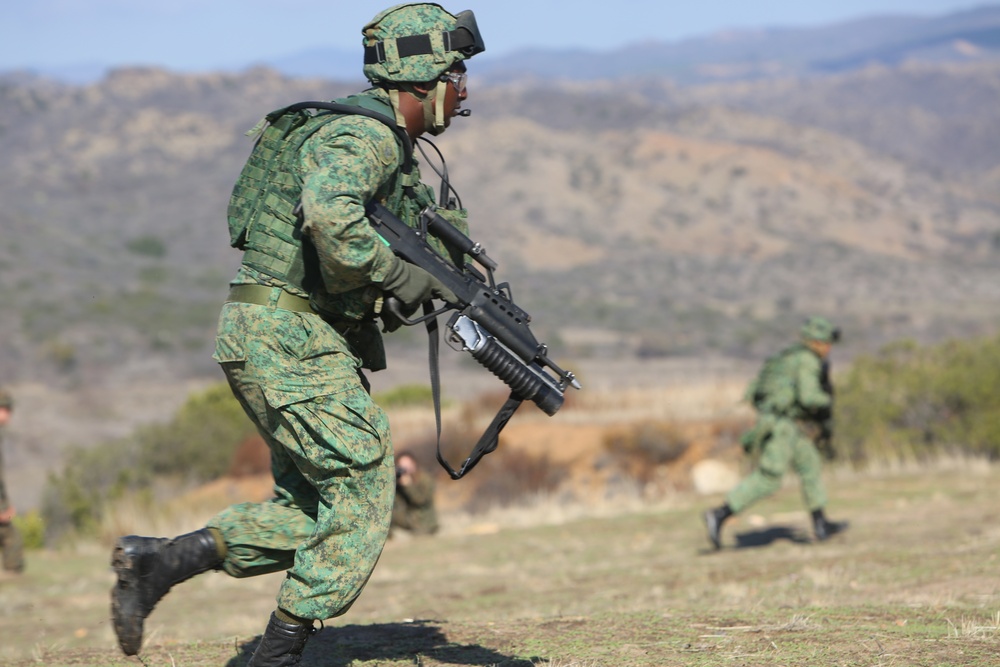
(433, 117)
(394, 100)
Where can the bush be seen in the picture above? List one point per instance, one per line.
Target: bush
(910, 402)
(406, 395)
(640, 448)
(32, 528)
(196, 446)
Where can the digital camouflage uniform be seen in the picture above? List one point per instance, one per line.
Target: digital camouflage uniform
(297, 378)
(793, 397)
(793, 409)
(11, 541)
(413, 508)
(301, 321)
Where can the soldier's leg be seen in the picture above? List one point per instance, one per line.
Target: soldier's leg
(347, 456)
(12, 543)
(335, 481)
(808, 464)
(765, 479)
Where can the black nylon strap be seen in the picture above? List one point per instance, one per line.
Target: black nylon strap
(418, 45)
(404, 138)
(490, 438)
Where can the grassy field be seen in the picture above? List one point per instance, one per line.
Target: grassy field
(627, 584)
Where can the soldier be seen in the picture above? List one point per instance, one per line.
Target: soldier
(11, 541)
(413, 509)
(794, 399)
(302, 320)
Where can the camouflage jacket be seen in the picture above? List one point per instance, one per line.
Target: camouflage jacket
(793, 384)
(343, 164)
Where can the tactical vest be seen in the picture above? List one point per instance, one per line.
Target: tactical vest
(264, 209)
(773, 391)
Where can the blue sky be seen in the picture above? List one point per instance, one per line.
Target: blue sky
(206, 34)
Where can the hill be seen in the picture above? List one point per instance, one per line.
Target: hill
(666, 221)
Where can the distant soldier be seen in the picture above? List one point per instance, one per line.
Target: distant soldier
(793, 397)
(413, 508)
(10, 538)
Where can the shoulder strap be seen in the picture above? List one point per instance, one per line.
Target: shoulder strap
(404, 138)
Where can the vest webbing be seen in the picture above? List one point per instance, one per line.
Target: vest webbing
(264, 216)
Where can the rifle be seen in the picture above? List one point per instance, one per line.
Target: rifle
(486, 323)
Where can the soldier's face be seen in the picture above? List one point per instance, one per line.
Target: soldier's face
(822, 348)
(455, 93)
(4, 416)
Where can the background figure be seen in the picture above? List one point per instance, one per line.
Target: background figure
(11, 541)
(793, 397)
(302, 321)
(413, 508)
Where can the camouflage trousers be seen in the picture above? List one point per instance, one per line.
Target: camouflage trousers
(786, 446)
(12, 545)
(331, 456)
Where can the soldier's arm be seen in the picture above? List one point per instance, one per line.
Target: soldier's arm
(809, 390)
(344, 164)
(421, 492)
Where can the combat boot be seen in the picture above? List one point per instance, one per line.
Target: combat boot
(147, 567)
(282, 644)
(824, 528)
(713, 522)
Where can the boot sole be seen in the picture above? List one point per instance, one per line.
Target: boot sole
(127, 623)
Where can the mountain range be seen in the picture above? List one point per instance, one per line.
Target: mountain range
(701, 203)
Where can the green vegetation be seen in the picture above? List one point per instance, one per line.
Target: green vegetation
(32, 528)
(915, 403)
(197, 445)
(148, 246)
(406, 395)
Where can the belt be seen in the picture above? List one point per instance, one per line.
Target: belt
(261, 295)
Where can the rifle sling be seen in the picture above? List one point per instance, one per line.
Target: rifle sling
(490, 438)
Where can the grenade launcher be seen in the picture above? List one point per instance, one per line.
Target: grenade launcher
(485, 322)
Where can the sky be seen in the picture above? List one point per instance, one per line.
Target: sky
(194, 35)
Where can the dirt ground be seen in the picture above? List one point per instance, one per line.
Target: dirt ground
(626, 583)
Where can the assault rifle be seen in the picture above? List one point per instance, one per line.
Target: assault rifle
(485, 322)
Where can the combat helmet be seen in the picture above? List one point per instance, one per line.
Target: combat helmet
(820, 328)
(6, 399)
(417, 43)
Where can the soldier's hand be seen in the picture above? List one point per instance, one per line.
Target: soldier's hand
(413, 286)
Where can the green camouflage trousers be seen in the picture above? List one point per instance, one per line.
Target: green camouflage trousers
(786, 446)
(12, 545)
(331, 456)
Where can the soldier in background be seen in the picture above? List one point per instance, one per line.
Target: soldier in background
(793, 397)
(413, 508)
(303, 319)
(11, 541)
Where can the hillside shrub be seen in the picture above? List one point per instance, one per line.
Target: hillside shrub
(642, 447)
(32, 528)
(502, 478)
(195, 446)
(913, 403)
(406, 395)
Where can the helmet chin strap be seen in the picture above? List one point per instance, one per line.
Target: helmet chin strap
(432, 103)
(433, 113)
